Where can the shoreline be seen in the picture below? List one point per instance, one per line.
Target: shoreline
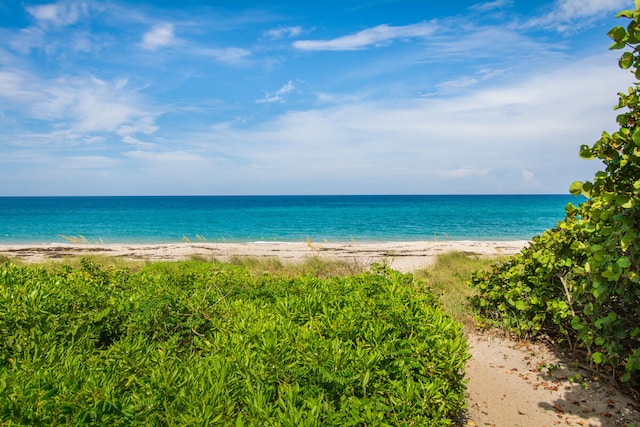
(406, 256)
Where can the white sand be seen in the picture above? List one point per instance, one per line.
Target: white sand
(403, 256)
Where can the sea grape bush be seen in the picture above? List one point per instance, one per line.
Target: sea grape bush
(195, 343)
(581, 281)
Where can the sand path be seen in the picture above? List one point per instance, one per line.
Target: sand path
(520, 384)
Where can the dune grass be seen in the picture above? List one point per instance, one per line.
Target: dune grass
(448, 279)
(313, 266)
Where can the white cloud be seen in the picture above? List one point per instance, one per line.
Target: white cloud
(491, 5)
(138, 143)
(59, 14)
(465, 82)
(570, 15)
(419, 145)
(465, 172)
(160, 35)
(230, 55)
(278, 96)
(284, 32)
(81, 108)
(455, 85)
(176, 159)
(571, 9)
(14, 86)
(379, 35)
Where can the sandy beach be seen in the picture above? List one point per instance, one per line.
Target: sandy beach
(403, 256)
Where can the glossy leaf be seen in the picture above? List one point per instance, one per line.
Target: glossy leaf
(624, 262)
(626, 60)
(576, 188)
(597, 357)
(617, 34)
(636, 137)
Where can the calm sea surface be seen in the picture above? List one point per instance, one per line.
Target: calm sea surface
(278, 218)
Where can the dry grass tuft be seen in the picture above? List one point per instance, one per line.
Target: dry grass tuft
(448, 279)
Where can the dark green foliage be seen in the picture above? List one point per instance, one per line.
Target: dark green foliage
(581, 281)
(196, 343)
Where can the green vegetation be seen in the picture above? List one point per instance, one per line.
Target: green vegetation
(580, 282)
(312, 266)
(205, 343)
(448, 279)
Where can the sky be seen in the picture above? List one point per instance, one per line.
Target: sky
(238, 97)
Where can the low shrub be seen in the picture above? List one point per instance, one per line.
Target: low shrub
(193, 343)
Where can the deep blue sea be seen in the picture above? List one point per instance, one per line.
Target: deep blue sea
(278, 218)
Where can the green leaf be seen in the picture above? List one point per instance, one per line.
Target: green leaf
(626, 60)
(625, 13)
(576, 188)
(586, 152)
(636, 137)
(617, 34)
(628, 204)
(98, 317)
(624, 262)
(576, 323)
(521, 305)
(617, 45)
(597, 357)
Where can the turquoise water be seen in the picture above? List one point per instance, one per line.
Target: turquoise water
(278, 218)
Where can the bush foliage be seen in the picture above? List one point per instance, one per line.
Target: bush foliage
(196, 343)
(581, 281)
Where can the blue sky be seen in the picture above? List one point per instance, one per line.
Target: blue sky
(303, 97)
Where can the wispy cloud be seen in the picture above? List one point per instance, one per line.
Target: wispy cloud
(59, 14)
(376, 36)
(464, 172)
(466, 82)
(498, 132)
(159, 35)
(284, 32)
(491, 5)
(79, 107)
(135, 142)
(571, 15)
(163, 35)
(278, 96)
(229, 55)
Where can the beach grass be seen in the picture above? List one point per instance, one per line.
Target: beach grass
(312, 266)
(448, 279)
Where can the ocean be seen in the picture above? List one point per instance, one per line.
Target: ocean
(365, 218)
